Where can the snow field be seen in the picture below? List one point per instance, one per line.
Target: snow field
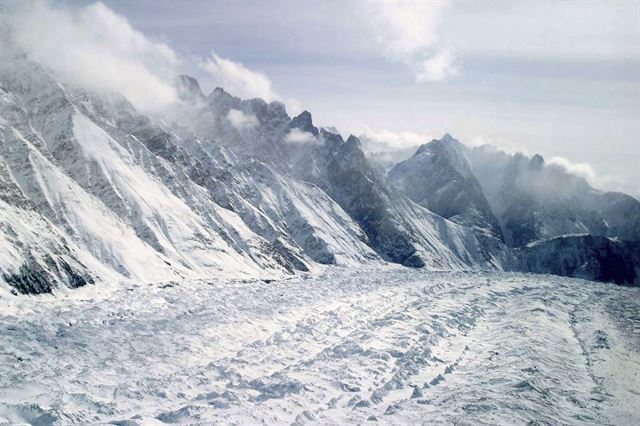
(388, 344)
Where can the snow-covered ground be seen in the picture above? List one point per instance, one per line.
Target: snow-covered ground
(393, 345)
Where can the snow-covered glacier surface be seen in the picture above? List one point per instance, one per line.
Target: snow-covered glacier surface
(348, 346)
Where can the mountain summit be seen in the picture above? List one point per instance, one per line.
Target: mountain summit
(439, 177)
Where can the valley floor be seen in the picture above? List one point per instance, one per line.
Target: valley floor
(393, 345)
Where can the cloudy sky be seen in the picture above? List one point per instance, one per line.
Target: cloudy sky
(557, 78)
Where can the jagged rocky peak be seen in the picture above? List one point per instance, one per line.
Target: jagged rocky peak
(331, 135)
(304, 122)
(268, 112)
(218, 92)
(536, 201)
(351, 154)
(439, 177)
(188, 88)
(448, 138)
(220, 98)
(536, 162)
(353, 143)
(450, 149)
(447, 141)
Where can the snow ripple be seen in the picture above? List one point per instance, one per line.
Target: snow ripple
(392, 345)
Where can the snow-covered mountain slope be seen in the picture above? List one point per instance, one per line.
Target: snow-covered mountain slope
(401, 230)
(124, 198)
(95, 191)
(534, 200)
(277, 206)
(247, 141)
(134, 212)
(351, 346)
(518, 198)
(35, 256)
(583, 256)
(397, 229)
(523, 200)
(438, 176)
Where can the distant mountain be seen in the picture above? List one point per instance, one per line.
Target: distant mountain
(439, 177)
(555, 220)
(534, 200)
(520, 199)
(584, 256)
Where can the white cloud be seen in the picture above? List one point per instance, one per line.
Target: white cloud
(300, 137)
(97, 49)
(499, 143)
(243, 82)
(583, 170)
(409, 27)
(294, 107)
(240, 120)
(567, 31)
(238, 79)
(378, 140)
(408, 33)
(586, 171)
(436, 68)
(579, 169)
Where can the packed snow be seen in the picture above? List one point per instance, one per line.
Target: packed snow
(385, 344)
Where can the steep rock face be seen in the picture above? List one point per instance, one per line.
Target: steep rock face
(188, 88)
(621, 214)
(36, 257)
(135, 213)
(297, 213)
(356, 188)
(304, 122)
(96, 191)
(583, 256)
(392, 225)
(253, 128)
(438, 176)
(534, 200)
(277, 206)
(400, 230)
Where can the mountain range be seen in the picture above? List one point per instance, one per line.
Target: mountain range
(92, 190)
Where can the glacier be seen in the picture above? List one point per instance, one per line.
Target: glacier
(380, 343)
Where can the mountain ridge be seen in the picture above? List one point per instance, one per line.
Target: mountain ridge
(94, 190)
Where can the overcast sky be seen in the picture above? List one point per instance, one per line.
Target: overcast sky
(557, 78)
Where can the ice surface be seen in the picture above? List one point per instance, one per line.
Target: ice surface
(396, 345)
